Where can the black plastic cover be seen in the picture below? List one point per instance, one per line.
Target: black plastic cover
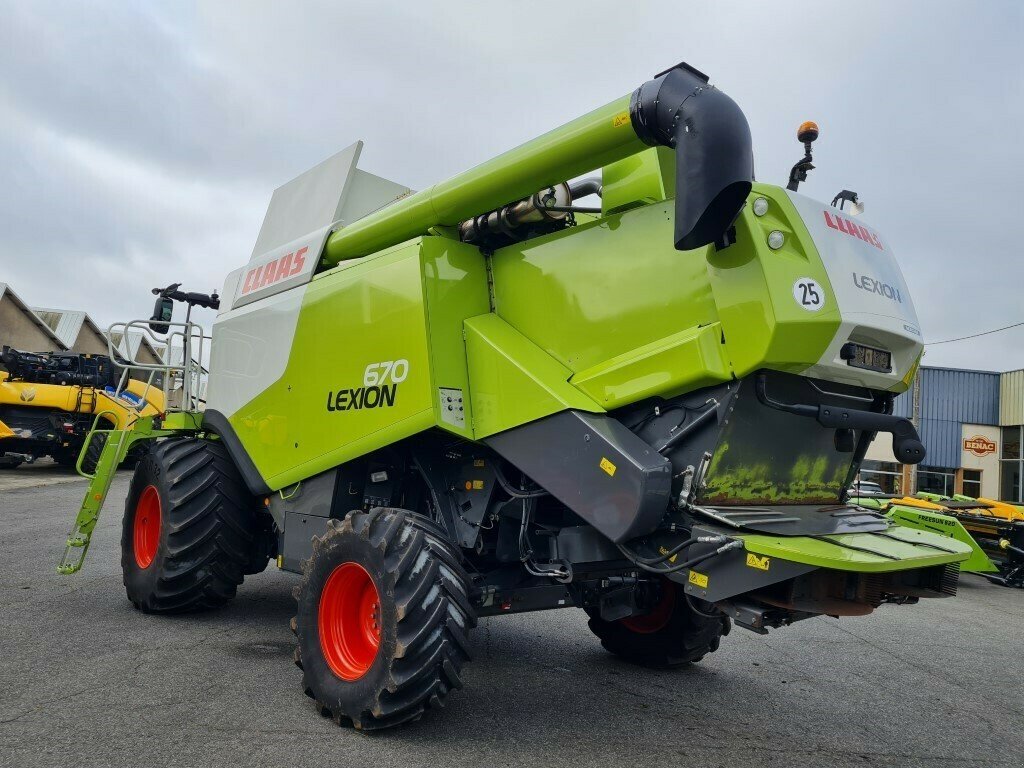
(714, 157)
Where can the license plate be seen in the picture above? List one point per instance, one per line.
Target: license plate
(859, 356)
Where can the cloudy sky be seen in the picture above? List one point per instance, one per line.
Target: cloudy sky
(140, 142)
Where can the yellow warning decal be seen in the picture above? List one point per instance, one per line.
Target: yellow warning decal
(478, 485)
(761, 563)
(699, 579)
(665, 551)
(620, 120)
(608, 467)
(478, 462)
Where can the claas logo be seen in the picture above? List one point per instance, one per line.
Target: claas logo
(853, 230)
(275, 271)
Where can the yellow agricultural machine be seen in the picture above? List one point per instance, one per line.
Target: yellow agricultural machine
(49, 402)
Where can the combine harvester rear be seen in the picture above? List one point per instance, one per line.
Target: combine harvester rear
(484, 398)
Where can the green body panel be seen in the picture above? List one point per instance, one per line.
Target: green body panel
(513, 381)
(591, 293)
(646, 177)
(687, 360)
(366, 312)
(594, 140)
(913, 549)
(752, 289)
(454, 288)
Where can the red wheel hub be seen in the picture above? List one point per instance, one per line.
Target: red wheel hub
(349, 621)
(659, 615)
(146, 527)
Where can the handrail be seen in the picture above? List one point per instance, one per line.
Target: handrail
(191, 370)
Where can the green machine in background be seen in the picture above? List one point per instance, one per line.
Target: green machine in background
(486, 398)
(994, 530)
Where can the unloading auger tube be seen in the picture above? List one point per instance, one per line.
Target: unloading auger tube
(677, 109)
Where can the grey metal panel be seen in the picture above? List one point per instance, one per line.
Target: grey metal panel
(966, 397)
(595, 466)
(941, 440)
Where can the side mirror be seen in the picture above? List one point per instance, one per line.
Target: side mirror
(163, 311)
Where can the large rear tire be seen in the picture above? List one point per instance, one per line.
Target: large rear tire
(673, 634)
(382, 620)
(189, 528)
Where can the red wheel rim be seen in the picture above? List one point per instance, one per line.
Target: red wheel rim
(146, 528)
(659, 615)
(349, 621)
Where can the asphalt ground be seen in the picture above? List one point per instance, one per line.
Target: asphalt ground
(87, 680)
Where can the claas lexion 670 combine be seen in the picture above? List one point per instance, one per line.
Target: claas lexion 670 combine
(485, 398)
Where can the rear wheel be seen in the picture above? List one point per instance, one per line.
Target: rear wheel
(674, 633)
(189, 528)
(382, 620)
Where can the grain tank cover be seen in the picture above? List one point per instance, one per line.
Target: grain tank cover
(301, 214)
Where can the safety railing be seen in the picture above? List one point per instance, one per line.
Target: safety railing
(183, 380)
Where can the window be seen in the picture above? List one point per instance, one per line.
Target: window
(939, 480)
(1011, 466)
(1011, 443)
(1009, 488)
(972, 482)
(887, 474)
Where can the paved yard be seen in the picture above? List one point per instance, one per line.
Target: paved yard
(86, 680)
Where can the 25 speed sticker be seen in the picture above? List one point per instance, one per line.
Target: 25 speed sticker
(809, 294)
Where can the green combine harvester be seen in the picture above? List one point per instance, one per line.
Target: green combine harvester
(486, 398)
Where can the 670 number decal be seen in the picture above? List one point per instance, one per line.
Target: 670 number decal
(395, 371)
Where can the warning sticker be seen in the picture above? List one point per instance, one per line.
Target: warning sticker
(608, 467)
(761, 563)
(699, 579)
(620, 120)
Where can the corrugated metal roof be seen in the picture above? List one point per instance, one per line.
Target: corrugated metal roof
(6, 290)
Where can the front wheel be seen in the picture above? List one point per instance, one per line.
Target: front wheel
(674, 633)
(189, 530)
(382, 619)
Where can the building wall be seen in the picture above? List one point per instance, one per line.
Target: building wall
(950, 398)
(90, 342)
(18, 329)
(1011, 398)
(989, 463)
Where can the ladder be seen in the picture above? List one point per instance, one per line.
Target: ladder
(114, 450)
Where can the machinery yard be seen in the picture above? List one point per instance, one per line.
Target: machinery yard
(936, 685)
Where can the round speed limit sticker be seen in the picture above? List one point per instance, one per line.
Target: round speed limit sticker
(809, 294)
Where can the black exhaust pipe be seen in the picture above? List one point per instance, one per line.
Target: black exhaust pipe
(711, 139)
